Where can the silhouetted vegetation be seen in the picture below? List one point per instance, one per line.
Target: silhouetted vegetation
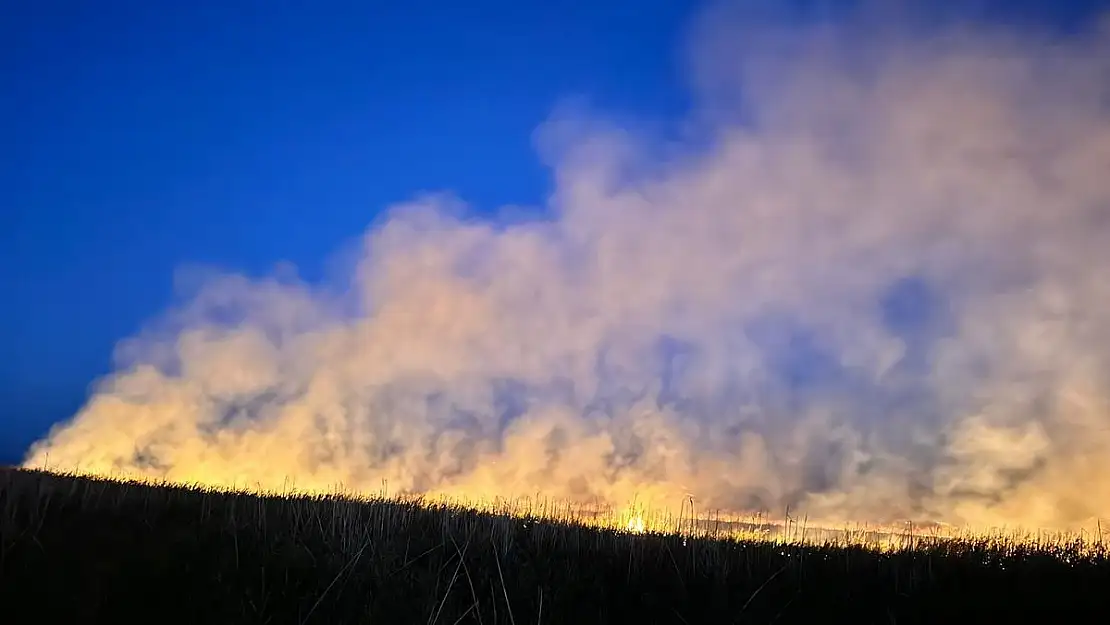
(80, 550)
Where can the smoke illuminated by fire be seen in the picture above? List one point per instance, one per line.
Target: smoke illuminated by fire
(877, 289)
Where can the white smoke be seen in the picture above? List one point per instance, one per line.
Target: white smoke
(878, 288)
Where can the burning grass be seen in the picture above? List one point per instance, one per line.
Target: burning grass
(79, 549)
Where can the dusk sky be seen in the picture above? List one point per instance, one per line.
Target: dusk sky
(141, 138)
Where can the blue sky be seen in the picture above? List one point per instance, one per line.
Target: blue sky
(143, 136)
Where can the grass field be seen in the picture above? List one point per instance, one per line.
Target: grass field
(84, 550)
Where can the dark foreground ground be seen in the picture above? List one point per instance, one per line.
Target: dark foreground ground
(75, 550)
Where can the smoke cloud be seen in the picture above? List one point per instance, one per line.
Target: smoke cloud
(871, 283)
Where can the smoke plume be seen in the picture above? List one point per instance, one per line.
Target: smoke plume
(871, 282)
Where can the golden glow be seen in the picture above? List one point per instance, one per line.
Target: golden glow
(635, 521)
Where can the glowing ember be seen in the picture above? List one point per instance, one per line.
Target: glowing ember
(636, 524)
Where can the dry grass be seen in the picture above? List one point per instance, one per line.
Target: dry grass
(78, 549)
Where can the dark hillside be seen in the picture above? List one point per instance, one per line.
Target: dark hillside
(79, 550)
